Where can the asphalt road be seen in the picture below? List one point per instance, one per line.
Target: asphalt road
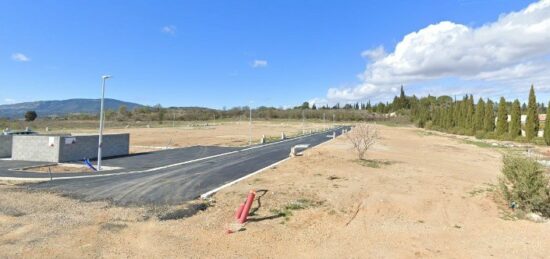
(180, 183)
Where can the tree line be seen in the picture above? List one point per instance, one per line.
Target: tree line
(484, 119)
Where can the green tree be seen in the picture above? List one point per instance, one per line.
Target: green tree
(30, 116)
(515, 123)
(502, 117)
(547, 126)
(532, 124)
(480, 115)
(489, 121)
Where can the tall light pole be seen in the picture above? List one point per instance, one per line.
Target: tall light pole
(101, 119)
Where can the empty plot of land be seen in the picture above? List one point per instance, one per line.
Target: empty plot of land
(416, 196)
(201, 133)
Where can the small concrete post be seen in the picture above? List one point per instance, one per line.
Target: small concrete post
(283, 136)
(262, 141)
(27, 129)
(333, 134)
(47, 129)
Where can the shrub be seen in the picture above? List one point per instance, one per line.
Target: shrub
(521, 139)
(490, 135)
(480, 134)
(525, 183)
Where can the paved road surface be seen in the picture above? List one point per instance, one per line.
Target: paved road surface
(179, 183)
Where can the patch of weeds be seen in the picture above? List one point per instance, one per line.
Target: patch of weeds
(375, 163)
(333, 177)
(299, 204)
(488, 188)
(113, 227)
(480, 144)
(185, 212)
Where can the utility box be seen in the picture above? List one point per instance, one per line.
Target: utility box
(68, 148)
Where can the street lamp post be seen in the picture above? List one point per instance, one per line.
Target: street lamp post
(101, 119)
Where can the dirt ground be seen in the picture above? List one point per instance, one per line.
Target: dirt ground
(418, 195)
(220, 134)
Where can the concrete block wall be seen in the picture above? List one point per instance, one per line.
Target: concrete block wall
(35, 148)
(86, 147)
(5, 146)
(67, 148)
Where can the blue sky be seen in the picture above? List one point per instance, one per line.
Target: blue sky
(275, 53)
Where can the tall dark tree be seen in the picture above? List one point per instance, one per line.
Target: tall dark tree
(489, 121)
(30, 116)
(532, 124)
(502, 117)
(515, 122)
(480, 115)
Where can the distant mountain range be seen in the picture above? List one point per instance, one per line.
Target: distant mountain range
(64, 107)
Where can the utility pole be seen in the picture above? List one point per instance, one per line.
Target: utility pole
(101, 119)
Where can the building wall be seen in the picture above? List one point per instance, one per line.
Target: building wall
(35, 148)
(79, 147)
(67, 148)
(5, 146)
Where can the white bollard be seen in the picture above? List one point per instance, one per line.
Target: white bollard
(333, 134)
(283, 136)
(262, 140)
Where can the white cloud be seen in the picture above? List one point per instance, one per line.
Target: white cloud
(9, 101)
(169, 29)
(259, 63)
(514, 47)
(20, 57)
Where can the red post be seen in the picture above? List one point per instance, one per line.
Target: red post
(239, 211)
(247, 205)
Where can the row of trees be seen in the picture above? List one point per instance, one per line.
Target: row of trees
(484, 119)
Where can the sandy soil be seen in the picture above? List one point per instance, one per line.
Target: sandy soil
(220, 134)
(419, 195)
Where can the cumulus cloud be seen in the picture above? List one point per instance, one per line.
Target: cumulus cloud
(20, 57)
(259, 63)
(169, 29)
(513, 47)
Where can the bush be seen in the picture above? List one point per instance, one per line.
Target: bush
(538, 141)
(480, 134)
(521, 139)
(490, 135)
(526, 184)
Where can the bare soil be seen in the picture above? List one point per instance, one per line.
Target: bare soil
(417, 195)
(219, 134)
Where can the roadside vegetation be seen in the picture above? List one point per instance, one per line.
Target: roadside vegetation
(525, 185)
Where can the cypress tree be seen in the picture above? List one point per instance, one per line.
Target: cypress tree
(532, 124)
(547, 126)
(489, 121)
(515, 123)
(480, 115)
(502, 117)
(470, 110)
